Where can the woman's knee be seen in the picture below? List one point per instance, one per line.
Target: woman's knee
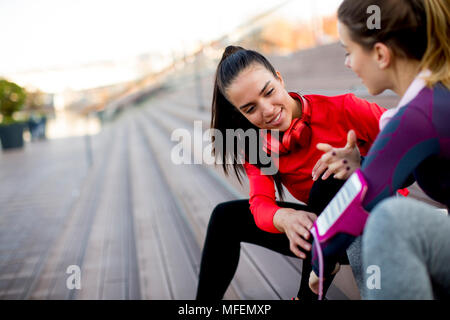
(218, 216)
(322, 192)
(384, 222)
(390, 214)
(225, 215)
(397, 214)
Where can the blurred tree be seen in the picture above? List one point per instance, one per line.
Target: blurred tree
(12, 99)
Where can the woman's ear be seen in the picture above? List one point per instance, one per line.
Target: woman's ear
(382, 55)
(280, 78)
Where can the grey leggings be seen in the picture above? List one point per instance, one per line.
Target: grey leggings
(407, 243)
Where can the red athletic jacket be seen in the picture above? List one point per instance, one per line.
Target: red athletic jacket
(331, 119)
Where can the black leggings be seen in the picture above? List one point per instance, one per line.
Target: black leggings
(232, 223)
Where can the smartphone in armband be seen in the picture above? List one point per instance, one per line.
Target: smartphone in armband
(344, 214)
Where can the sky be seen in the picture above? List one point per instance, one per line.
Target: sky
(39, 34)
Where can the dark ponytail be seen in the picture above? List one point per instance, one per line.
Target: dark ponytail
(225, 116)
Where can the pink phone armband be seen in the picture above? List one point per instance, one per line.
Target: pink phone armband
(344, 214)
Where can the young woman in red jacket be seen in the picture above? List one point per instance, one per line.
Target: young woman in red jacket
(250, 94)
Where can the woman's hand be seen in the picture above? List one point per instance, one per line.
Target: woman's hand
(341, 162)
(296, 225)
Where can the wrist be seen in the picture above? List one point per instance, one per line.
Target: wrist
(278, 220)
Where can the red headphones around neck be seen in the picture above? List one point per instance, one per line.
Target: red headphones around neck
(298, 135)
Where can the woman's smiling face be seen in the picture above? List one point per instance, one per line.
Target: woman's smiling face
(262, 98)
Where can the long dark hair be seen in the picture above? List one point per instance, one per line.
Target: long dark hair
(414, 29)
(225, 116)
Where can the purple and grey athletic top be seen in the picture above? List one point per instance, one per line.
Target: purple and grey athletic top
(415, 142)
